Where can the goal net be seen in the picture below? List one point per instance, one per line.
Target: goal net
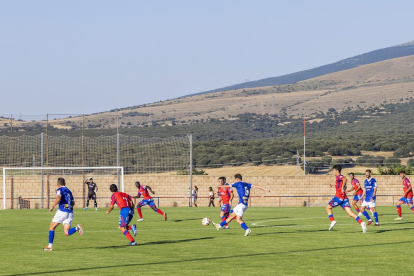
(35, 187)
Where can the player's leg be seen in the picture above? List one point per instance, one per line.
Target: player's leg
(410, 203)
(348, 209)
(224, 213)
(399, 203)
(95, 204)
(364, 212)
(154, 207)
(124, 219)
(332, 204)
(243, 225)
(139, 206)
(354, 203)
(52, 228)
(375, 214)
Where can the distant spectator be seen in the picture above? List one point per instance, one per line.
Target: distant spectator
(211, 197)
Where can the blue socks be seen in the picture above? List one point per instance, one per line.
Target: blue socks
(376, 217)
(51, 236)
(223, 223)
(72, 230)
(244, 226)
(365, 213)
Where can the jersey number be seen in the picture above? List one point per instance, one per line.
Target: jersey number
(246, 191)
(126, 200)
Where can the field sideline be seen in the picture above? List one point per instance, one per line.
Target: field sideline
(284, 241)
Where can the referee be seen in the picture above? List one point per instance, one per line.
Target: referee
(92, 188)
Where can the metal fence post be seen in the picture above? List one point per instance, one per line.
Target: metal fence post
(41, 164)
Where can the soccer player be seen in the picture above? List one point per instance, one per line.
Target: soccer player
(243, 190)
(341, 199)
(147, 200)
(369, 195)
(226, 194)
(92, 189)
(64, 199)
(407, 196)
(356, 187)
(126, 203)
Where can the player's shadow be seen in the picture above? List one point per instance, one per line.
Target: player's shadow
(262, 219)
(291, 232)
(181, 220)
(273, 226)
(152, 243)
(391, 230)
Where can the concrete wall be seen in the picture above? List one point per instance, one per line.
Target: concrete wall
(173, 190)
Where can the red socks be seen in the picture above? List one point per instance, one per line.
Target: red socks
(128, 236)
(399, 210)
(160, 212)
(139, 212)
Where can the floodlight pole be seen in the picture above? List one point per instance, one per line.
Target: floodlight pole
(304, 146)
(191, 170)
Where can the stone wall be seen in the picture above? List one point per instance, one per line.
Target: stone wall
(173, 190)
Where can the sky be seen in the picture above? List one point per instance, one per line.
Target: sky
(83, 57)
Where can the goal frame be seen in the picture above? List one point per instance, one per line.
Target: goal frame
(56, 168)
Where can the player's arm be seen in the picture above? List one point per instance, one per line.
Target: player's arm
(96, 188)
(137, 196)
(408, 190)
(344, 186)
(149, 189)
(55, 203)
(350, 190)
(374, 193)
(260, 188)
(111, 207)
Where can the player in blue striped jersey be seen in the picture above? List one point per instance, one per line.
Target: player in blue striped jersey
(243, 191)
(65, 201)
(370, 192)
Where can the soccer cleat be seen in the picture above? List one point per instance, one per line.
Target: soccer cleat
(80, 229)
(376, 224)
(133, 243)
(333, 223)
(86, 208)
(47, 248)
(399, 218)
(141, 219)
(226, 227)
(96, 208)
(218, 227)
(369, 222)
(165, 216)
(359, 214)
(364, 227)
(134, 229)
(248, 231)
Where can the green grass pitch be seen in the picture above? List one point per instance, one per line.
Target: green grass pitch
(284, 241)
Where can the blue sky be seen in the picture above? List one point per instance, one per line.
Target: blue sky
(92, 56)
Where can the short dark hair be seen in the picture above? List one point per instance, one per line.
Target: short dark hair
(368, 170)
(238, 176)
(61, 181)
(223, 178)
(337, 167)
(113, 188)
(351, 173)
(137, 184)
(403, 171)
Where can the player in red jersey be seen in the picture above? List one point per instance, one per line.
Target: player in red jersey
(126, 203)
(226, 196)
(147, 200)
(356, 187)
(341, 199)
(407, 196)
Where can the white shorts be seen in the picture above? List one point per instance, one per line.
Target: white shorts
(239, 209)
(370, 204)
(63, 217)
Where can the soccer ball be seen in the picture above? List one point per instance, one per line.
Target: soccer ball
(205, 221)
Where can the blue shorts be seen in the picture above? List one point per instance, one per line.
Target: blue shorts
(357, 197)
(149, 202)
(125, 216)
(225, 208)
(339, 202)
(407, 200)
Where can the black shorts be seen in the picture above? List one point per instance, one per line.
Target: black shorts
(92, 196)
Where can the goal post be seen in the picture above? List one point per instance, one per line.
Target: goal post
(23, 184)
